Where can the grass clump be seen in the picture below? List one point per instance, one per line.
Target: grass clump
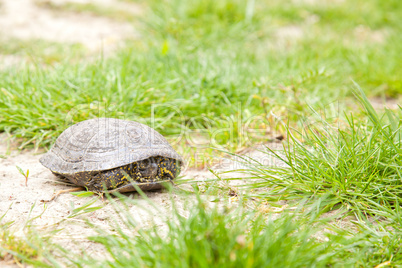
(15, 250)
(355, 164)
(29, 248)
(208, 237)
(232, 237)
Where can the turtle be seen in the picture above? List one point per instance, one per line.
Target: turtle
(108, 154)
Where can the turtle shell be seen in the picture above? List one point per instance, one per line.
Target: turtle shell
(105, 143)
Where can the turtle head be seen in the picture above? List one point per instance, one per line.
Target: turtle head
(158, 168)
(148, 169)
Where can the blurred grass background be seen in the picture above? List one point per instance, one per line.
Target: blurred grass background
(204, 62)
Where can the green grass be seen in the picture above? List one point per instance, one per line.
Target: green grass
(29, 248)
(208, 236)
(40, 53)
(38, 248)
(214, 236)
(32, 248)
(355, 164)
(206, 65)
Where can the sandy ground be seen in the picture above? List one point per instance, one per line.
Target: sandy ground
(27, 20)
(23, 19)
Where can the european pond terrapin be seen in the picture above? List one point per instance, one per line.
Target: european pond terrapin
(94, 153)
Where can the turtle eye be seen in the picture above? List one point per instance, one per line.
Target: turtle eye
(144, 166)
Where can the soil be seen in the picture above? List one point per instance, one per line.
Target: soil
(28, 20)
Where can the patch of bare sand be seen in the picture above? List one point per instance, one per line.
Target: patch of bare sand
(24, 20)
(7, 61)
(381, 104)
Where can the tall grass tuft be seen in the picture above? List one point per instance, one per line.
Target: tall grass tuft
(357, 165)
